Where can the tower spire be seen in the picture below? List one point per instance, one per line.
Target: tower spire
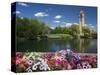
(81, 21)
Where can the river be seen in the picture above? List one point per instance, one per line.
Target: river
(52, 45)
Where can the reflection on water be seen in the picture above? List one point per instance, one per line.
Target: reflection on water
(52, 45)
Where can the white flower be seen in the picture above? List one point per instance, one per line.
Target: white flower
(44, 66)
(30, 62)
(41, 67)
(86, 65)
(29, 69)
(34, 67)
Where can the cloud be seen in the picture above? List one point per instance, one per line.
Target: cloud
(92, 26)
(76, 23)
(63, 22)
(62, 26)
(68, 24)
(21, 17)
(58, 17)
(52, 27)
(40, 14)
(23, 4)
(56, 21)
(85, 24)
(16, 12)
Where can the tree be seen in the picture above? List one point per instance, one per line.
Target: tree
(86, 31)
(74, 30)
(31, 28)
(21, 26)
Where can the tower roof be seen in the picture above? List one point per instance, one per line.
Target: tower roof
(81, 13)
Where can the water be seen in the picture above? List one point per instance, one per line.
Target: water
(52, 45)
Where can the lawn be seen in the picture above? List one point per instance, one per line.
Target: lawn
(58, 35)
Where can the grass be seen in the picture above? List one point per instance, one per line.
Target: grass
(59, 36)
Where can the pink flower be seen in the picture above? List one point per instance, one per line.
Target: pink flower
(64, 62)
(57, 62)
(17, 61)
(59, 54)
(69, 67)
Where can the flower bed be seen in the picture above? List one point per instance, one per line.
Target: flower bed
(48, 61)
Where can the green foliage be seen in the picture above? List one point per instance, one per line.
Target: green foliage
(86, 31)
(94, 34)
(61, 30)
(30, 28)
(35, 29)
(74, 30)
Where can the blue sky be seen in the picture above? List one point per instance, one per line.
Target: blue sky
(55, 15)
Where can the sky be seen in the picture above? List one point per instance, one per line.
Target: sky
(57, 15)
